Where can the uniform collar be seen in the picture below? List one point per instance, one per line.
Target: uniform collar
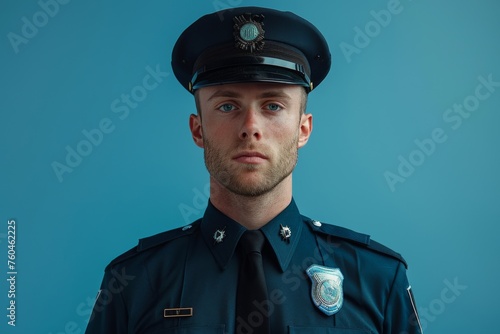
(215, 222)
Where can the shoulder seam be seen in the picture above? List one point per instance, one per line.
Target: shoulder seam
(147, 243)
(339, 231)
(163, 237)
(359, 238)
(379, 248)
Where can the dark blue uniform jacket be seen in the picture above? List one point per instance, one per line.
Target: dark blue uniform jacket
(182, 281)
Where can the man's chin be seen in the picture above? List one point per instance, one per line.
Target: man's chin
(250, 191)
(249, 187)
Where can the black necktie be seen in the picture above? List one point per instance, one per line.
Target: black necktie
(252, 302)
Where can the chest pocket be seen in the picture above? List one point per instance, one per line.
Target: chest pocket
(326, 330)
(217, 329)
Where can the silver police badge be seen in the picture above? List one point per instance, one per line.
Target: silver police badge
(326, 292)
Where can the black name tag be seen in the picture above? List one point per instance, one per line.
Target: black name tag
(178, 312)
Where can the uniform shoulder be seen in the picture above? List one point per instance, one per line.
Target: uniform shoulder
(148, 243)
(360, 239)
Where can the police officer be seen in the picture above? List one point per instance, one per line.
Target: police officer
(253, 263)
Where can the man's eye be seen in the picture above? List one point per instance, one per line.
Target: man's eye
(273, 107)
(227, 107)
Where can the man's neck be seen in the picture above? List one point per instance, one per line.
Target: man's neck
(252, 212)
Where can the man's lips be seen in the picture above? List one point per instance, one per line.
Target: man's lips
(250, 157)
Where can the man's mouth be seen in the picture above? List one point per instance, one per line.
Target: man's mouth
(250, 157)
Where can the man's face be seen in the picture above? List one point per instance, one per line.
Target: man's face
(251, 134)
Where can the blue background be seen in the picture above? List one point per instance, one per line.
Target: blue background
(146, 176)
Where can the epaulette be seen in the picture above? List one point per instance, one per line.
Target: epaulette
(362, 239)
(155, 240)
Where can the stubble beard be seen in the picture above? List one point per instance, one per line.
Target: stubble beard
(231, 177)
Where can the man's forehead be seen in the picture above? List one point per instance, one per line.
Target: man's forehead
(259, 90)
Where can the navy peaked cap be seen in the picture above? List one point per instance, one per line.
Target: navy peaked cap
(250, 44)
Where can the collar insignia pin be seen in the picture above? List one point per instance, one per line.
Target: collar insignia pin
(285, 233)
(248, 32)
(219, 235)
(327, 292)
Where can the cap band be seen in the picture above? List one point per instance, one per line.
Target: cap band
(280, 65)
(275, 57)
(257, 73)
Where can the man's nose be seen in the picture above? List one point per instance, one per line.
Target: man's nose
(251, 126)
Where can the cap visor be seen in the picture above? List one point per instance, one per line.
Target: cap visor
(257, 73)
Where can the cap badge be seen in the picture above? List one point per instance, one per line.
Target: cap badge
(219, 235)
(327, 293)
(248, 32)
(285, 233)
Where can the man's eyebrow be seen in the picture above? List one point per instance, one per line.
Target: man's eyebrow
(264, 95)
(224, 93)
(274, 93)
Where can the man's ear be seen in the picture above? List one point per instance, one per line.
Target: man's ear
(305, 129)
(196, 129)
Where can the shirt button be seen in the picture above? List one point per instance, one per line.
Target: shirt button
(316, 223)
